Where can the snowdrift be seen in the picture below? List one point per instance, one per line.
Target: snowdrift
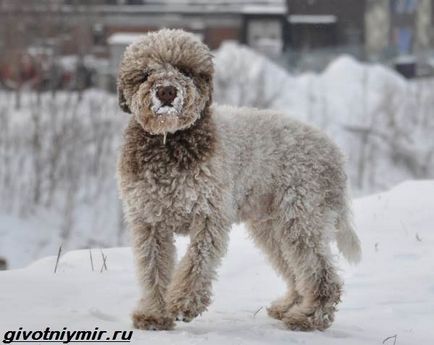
(381, 121)
(390, 293)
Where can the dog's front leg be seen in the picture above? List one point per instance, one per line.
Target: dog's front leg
(189, 292)
(154, 251)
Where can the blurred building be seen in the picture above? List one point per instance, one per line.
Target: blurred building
(401, 32)
(103, 28)
(399, 27)
(380, 30)
(379, 26)
(321, 24)
(303, 34)
(257, 23)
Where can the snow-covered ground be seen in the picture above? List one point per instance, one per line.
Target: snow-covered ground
(390, 293)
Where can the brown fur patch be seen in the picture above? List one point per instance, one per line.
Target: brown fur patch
(182, 151)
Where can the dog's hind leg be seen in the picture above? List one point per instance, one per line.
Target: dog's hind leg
(264, 237)
(305, 244)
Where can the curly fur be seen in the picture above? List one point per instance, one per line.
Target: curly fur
(198, 169)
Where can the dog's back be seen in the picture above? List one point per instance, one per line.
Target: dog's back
(269, 154)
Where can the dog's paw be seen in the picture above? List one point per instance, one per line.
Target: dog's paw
(300, 322)
(277, 311)
(186, 316)
(280, 307)
(187, 307)
(144, 321)
(320, 320)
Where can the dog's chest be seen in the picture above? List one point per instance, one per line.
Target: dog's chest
(175, 196)
(168, 181)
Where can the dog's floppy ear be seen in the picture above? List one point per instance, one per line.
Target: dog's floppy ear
(122, 101)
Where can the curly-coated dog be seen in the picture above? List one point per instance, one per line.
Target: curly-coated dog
(189, 167)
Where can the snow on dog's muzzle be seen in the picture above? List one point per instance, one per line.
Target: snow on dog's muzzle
(167, 99)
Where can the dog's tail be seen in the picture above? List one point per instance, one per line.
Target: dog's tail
(346, 238)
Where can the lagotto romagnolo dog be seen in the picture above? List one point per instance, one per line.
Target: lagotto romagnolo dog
(192, 168)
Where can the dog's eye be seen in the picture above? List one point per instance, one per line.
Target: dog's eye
(205, 77)
(188, 73)
(142, 77)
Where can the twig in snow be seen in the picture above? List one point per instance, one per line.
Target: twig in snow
(256, 312)
(391, 337)
(418, 237)
(91, 259)
(104, 262)
(58, 258)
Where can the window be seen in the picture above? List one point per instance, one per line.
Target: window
(404, 6)
(403, 40)
(411, 6)
(98, 34)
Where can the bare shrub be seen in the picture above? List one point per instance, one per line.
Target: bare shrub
(59, 153)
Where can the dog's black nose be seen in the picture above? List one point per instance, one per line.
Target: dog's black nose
(166, 94)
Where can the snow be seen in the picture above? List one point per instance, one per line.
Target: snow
(312, 19)
(220, 2)
(87, 133)
(390, 293)
(264, 9)
(406, 59)
(274, 7)
(124, 38)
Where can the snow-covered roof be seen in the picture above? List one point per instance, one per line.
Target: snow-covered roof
(217, 2)
(263, 9)
(190, 6)
(312, 19)
(124, 38)
(405, 59)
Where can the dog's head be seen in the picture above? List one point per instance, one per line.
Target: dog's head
(165, 80)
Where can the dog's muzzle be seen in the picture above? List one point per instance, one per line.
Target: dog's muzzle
(167, 99)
